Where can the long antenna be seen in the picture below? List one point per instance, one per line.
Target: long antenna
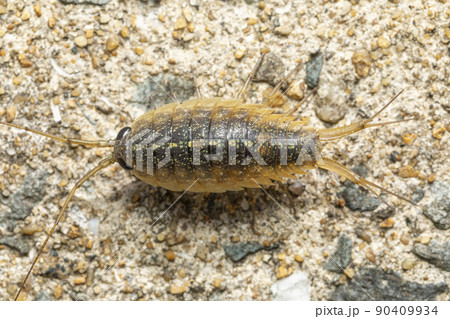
(103, 164)
(72, 141)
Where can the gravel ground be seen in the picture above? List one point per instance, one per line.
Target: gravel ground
(62, 73)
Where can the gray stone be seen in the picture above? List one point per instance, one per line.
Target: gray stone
(271, 71)
(27, 196)
(18, 244)
(375, 284)
(313, 68)
(439, 210)
(240, 251)
(359, 200)
(342, 257)
(435, 253)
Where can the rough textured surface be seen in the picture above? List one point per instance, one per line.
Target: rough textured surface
(435, 253)
(294, 288)
(342, 256)
(50, 83)
(376, 284)
(439, 210)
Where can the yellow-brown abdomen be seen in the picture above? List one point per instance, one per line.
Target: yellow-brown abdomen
(216, 145)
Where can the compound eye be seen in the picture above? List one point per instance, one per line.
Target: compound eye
(124, 165)
(122, 133)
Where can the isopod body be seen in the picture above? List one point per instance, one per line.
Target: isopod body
(216, 145)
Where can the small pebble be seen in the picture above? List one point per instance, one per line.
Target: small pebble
(58, 291)
(298, 258)
(296, 92)
(26, 14)
(240, 53)
(370, 255)
(112, 43)
(97, 290)
(10, 113)
(17, 80)
(104, 18)
(388, 223)
(177, 290)
(425, 240)
(349, 272)
(361, 62)
(284, 30)
(408, 263)
(296, 188)
(180, 24)
(81, 41)
(217, 282)
(89, 33)
(37, 9)
(407, 171)
(79, 280)
(76, 92)
(51, 23)
(31, 229)
(383, 42)
(170, 255)
(282, 272)
(125, 32)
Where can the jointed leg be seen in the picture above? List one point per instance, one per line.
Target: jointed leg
(243, 91)
(343, 171)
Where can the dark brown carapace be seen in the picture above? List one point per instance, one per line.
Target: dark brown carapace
(218, 145)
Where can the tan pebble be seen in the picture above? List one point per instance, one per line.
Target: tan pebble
(160, 237)
(383, 42)
(284, 30)
(76, 92)
(17, 80)
(349, 272)
(252, 21)
(240, 53)
(81, 41)
(408, 263)
(26, 14)
(125, 32)
(235, 239)
(58, 291)
(431, 178)
(161, 17)
(282, 272)
(439, 133)
(217, 282)
(51, 22)
(407, 171)
(298, 258)
(112, 43)
(261, 5)
(63, 182)
(281, 256)
(97, 290)
(2, 91)
(387, 223)
(447, 32)
(149, 61)
(361, 62)
(425, 240)
(404, 239)
(180, 24)
(139, 50)
(10, 113)
(408, 138)
(37, 9)
(370, 255)
(177, 290)
(89, 244)
(31, 229)
(79, 280)
(172, 61)
(296, 92)
(190, 27)
(170, 255)
(89, 33)
(182, 273)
